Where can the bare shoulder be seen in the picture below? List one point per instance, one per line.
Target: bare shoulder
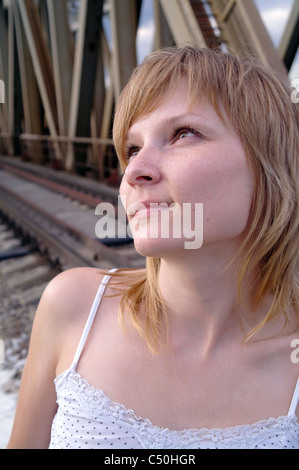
(69, 291)
(57, 325)
(65, 285)
(66, 304)
(63, 302)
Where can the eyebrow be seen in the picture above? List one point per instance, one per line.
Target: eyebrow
(176, 119)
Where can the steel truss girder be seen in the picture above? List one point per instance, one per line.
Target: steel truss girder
(84, 72)
(244, 31)
(71, 79)
(30, 94)
(41, 61)
(290, 39)
(182, 22)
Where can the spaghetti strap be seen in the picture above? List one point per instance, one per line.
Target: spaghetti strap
(91, 317)
(295, 400)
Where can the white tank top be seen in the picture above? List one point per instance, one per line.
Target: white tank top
(86, 418)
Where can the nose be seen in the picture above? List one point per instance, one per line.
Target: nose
(143, 169)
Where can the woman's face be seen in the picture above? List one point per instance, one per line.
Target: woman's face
(187, 160)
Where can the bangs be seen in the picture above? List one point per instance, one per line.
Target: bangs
(159, 73)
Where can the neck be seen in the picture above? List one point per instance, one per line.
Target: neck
(201, 298)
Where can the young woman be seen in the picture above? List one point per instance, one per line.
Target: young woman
(195, 351)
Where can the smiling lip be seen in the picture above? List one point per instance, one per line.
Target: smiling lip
(145, 208)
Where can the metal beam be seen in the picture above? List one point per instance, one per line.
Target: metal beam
(31, 103)
(16, 93)
(30, 95)
(62, 58)
(11, 77)
(3, 74)
(102, 106)
(290, 39)
(83, 82)
(123, 41)
(182, 22)
(76, 84)
(244, 31)
(163, 36)
(41, 63)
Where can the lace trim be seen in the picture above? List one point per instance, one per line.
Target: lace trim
(96, 403)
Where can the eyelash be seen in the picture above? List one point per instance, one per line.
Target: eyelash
(129, 150)
(179, 129)
(175, 133)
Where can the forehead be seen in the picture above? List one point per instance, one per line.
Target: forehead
(174, 107)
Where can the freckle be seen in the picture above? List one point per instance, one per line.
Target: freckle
(208, 218)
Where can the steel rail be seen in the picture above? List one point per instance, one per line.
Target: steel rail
(81, 185)
(62, 242)
(57, 243)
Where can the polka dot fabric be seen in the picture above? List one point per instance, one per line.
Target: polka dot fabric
(83, 419)
(88, 419)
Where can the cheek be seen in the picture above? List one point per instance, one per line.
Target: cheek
(122, 185)
(123, 193)
(232, 199)
(225, 185)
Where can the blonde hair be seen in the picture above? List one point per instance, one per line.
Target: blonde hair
(259, 106)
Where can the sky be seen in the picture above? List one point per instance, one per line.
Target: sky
(274, 13)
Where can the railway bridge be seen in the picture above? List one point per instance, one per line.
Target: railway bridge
(63, 64)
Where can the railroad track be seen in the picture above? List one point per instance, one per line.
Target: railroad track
(47, 221)
(24, 274)
(57, 211)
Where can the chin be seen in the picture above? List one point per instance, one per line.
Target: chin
(159, 248)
